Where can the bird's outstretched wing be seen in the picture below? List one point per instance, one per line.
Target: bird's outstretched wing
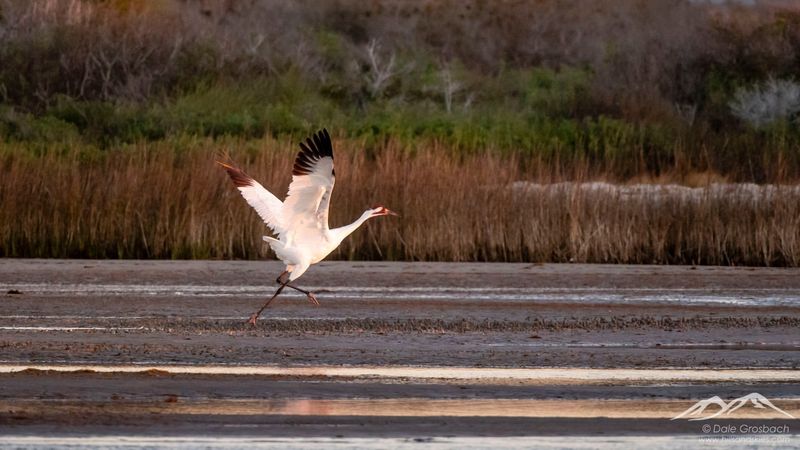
(263, 201)
(309, 196)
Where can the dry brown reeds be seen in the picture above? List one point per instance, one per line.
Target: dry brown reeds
(169, 200)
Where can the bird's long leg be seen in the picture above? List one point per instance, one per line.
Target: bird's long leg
(311, 297)
(256, 314)
(279, 280)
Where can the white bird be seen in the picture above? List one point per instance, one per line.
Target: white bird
(300, 221)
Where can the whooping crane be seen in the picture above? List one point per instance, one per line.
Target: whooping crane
(300, 221)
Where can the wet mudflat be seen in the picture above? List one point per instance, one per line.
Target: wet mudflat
(417, 350)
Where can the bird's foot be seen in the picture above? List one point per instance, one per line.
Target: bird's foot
(313, 298)
(253, 319)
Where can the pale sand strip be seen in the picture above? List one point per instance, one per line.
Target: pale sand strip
(548, 375)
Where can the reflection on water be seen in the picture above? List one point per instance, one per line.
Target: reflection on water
(427, 407)
(421, 408)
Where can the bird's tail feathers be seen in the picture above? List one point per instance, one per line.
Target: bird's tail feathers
(289, 255)
(297, 270)
(279, 248)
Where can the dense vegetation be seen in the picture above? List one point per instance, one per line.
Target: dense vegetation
(622, 90)
(628, 86)
(167, 200)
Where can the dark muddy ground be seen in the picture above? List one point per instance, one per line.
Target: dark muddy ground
(576, 317)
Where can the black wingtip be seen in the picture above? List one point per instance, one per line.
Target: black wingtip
(317, 146)
(323, 141)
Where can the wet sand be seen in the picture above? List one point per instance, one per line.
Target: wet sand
(161, 348)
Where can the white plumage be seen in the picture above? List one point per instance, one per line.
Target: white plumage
(301, 221)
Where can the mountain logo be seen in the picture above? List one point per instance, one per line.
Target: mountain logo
(755, 399)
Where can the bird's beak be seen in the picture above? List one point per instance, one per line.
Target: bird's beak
(391, 213)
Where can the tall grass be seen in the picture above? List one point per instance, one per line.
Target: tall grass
(167, 199)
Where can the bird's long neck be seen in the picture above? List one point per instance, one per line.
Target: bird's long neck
(342, 232)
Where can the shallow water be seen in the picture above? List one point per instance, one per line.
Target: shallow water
(158, 354)
(578, 295)
(546, 442)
